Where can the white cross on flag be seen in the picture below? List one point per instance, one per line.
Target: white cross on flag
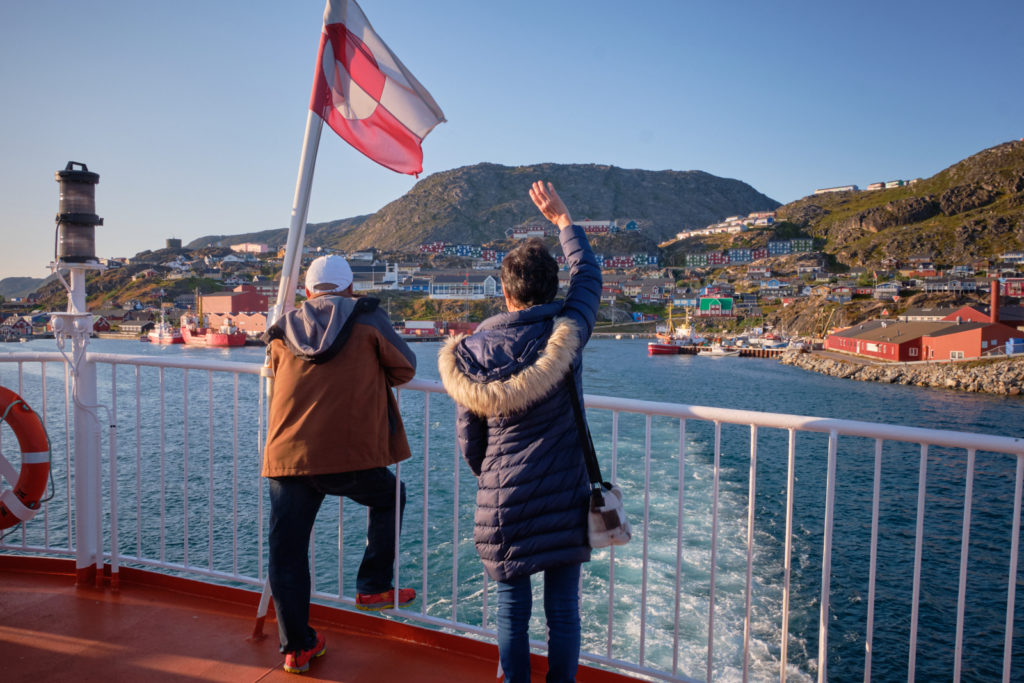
(366, 95)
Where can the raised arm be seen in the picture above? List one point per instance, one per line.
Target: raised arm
(550, 204)
(584, 294)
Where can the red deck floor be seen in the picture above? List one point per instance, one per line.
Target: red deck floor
(156, 628)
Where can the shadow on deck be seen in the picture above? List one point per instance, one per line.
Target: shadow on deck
(157, 628)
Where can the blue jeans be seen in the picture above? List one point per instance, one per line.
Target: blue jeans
(294, 502)
(562, 611)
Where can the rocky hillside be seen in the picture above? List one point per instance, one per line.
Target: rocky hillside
(815, 316)
(476, 204)
(973, 209)
(20, 286)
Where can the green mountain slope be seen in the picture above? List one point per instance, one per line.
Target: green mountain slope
(477, 204)
(973, 209)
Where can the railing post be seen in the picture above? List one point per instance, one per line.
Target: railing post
(76, 325)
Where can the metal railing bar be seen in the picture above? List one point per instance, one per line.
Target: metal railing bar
(179, 362)
(677, 607)
(455, 528)
(788, 559)
(646, 546)
(138, 461)
(114, 507)
(209, 495)
(234, 476)
(46, 506)
(397, 560)
(261, 428)
(42, 549)
(751, 513)
(935, 437)
(184, 461)
(312, 563)
(341, 545)
(163, 504)
(965, 539)
(67, 448)
(1011, 592)
(715, 483)
(873, 561)
(826, 558)
(425, 533)
(611, 551)
(922, 482)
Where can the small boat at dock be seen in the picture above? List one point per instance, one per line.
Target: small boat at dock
(165, 333)
(717, 350)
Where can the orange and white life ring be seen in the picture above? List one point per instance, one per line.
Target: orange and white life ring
(22, 502)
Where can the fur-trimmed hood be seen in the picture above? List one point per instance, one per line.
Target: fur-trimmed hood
(530, 370)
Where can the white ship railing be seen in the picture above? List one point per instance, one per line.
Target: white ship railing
(157, 508)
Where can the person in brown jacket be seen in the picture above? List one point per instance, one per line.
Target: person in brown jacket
(334, 428)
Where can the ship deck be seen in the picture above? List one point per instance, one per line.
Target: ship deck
(157, 628)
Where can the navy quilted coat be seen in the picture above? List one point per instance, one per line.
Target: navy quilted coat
(516, 425)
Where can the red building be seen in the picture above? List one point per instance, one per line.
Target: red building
(883, 339)
(243, 298)
(966, 340)
(968, 332)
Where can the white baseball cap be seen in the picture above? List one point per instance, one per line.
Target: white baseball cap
(329, 273)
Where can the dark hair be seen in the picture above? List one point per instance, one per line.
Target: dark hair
(529, 273)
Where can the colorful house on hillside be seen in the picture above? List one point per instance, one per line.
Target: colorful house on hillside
(15, 326)
(715, 307)
(1013, 286)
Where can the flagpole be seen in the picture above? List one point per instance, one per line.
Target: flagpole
(289, 278)
(297, 228)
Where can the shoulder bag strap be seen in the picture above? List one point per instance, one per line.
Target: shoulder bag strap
(586, 443)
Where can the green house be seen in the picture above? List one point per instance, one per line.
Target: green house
(715, 306)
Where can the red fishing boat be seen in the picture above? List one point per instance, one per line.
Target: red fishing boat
(165, 333)
(672, 339)
(226, 335)
(195, 330)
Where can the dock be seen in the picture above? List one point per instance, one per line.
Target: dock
(745, 352)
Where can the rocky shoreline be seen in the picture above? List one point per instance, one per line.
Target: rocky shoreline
(1003, 377)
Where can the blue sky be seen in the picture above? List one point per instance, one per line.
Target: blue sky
(193, 112)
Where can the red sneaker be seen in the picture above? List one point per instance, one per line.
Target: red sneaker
(297, 662)
(386, 600)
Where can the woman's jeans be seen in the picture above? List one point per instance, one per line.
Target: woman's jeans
(562, 610)
(294, 502)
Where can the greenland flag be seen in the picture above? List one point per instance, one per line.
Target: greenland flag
(365, 93)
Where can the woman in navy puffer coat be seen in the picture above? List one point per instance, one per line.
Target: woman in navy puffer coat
(518, 433)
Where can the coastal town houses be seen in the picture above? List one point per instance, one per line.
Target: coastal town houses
(15, 326)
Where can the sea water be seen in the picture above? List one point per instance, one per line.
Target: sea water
(187, 455)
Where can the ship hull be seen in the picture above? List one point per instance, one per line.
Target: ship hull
(205, 337)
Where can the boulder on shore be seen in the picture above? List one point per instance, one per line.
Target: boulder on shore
(1004, 376)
